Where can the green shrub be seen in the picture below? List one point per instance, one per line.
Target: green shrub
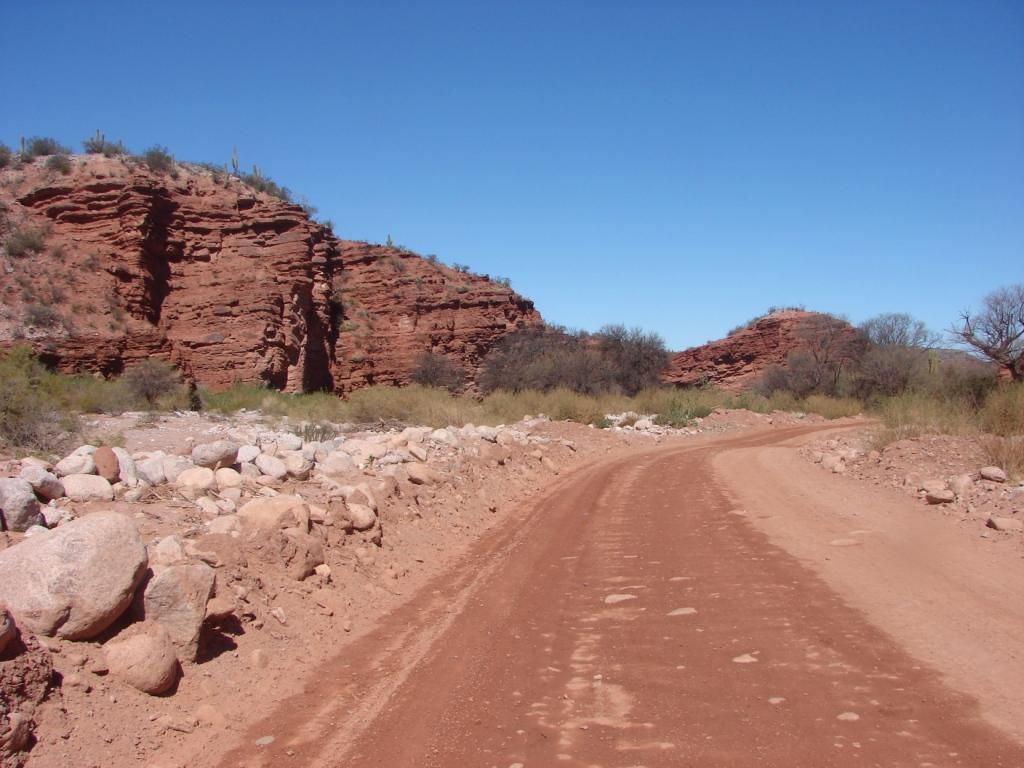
(41, 146)
(29, 418)
(158, 159)
(5, 155)
(152, 379)
(25, 241)
(60, 163)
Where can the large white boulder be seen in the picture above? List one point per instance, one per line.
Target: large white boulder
(272, 466)
(88, 488)
(74, 581)
(75, 464)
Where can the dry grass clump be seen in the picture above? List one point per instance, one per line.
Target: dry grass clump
(1003, 410)
(1000, 415)
(1005, 452)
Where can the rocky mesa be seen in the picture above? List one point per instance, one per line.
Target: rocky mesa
(112, 262)
(740, 359)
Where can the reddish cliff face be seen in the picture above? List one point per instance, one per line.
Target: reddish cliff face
(230, 284)
(739, 360)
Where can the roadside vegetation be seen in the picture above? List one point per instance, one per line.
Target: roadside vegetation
(890, 369)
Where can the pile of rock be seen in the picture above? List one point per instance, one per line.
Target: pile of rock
(962, 489)
(81, 572)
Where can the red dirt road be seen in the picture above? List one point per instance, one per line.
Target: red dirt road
(630, 619)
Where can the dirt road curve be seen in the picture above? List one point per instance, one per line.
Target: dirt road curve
(632, 619)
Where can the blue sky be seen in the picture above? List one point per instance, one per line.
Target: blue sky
(675, 165)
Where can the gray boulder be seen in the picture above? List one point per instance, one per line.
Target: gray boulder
(174, 466)
(152, 470)
(73, 581)
(272, 466)
(220, 453)
(45, 484)
(19, 509)
(176, 599)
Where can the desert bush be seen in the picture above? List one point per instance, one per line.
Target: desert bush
(262, 183)
(434, 370)
(42, 146)
(60, 163)
(152, 379)
(1003, 411)
(824, 363)
(636, 357)
(5, 155)
(91, 394)
(312, 407)
(831, 407)
(98, 145)
(24, 241)
(29, 418)
(41, 316)
(615, 360)
(1006, 453)
(158, 159)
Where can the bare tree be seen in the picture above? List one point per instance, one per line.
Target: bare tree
(897, 355)
(898, 329)
(829, 346)
(997, 332)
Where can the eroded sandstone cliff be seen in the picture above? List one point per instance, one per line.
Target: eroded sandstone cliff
(112, 263)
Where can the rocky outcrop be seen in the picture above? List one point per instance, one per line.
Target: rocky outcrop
(741, 358)
(228, 283)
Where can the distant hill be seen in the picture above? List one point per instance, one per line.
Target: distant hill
(739, 360)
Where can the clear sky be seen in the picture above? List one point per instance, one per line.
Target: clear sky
(675, 165)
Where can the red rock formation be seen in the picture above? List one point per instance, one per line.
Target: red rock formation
(739, 360)
(228, 283)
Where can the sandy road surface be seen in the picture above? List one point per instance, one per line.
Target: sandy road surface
(632, 619)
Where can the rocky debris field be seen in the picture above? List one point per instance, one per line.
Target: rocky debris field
(155, 597)
(947, 472)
